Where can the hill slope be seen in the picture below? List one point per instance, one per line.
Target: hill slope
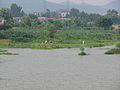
(30, 5)
(113, 5)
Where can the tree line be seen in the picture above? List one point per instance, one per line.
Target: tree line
(78, 19)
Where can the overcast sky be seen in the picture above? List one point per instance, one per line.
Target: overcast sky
(94, 2)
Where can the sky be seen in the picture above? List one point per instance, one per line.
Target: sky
(94, 2)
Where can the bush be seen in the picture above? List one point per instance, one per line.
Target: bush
(82, 53)
(4, 27)
(113, 51)
(18, 35)
(52, 30)
(118, 45)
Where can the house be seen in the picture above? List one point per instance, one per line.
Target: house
(18, 19)
(117, 26)
(2, 21)
(42, 18)
(45, 18)
(63, 13)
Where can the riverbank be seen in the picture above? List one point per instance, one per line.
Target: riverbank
(67, 38)
(5, 43)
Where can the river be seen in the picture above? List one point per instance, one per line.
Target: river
(59, 69)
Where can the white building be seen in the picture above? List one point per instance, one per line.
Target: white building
(63, 13)
(18, 19)
(2, 21)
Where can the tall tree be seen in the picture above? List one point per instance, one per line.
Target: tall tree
(27, 21)
(104, 22)
(16, 11)
(5, 13)
(112, 12)
(74, 12)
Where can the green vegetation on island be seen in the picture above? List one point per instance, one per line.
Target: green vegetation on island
(82, 53)
(5, 52)
(115, 50)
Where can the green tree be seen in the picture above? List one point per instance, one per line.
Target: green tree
(104, 22)
(79, 22)
(5, 13)
(112, 12)
(16, 11)
(26, 20)
(74, 12)
(52, 30)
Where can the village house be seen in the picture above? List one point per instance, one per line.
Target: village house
(63, 13)
(45, 18)
(42, 19)
(117, 26)
(18, 19)
(2, 21)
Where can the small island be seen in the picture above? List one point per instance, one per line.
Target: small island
(5, 52)
(115, 50)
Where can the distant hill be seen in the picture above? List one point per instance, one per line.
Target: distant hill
(31, 5)
(86, 7)
(37, 6)
(113, 5)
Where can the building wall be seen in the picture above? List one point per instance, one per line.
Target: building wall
(2, 21)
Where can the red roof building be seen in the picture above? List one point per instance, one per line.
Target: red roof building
(117, 26)
(42, 18)
(45, 18)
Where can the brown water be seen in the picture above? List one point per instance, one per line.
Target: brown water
(60, 69)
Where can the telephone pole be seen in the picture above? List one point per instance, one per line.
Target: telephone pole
(68, 6)
(44, 5)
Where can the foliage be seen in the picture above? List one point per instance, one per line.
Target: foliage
(19, 35)
(104, 22)
(118, 45)
(5, 13)
(52, 30)
(26, 20)
(74, 12)
(113, 51)
(112, 12)
(82, 53)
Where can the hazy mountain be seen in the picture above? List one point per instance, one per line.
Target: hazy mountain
(37, 6)
(86, 7)
(113, 5)
(31, 5)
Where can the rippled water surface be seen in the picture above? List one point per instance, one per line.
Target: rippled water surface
(60, 69)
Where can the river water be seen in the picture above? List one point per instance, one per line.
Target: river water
(60, 69)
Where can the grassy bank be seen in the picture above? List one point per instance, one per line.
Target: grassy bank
(69, 38)
(36, 45)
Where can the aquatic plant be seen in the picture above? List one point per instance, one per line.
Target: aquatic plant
(82, 53)
(5, 52)
(114, 50)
